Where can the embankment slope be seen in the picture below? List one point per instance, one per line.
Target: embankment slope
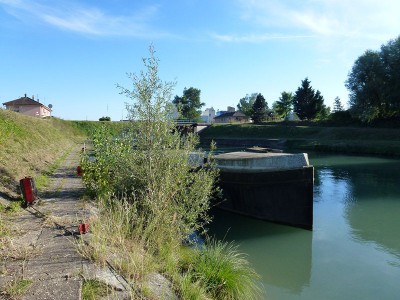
(28, 146)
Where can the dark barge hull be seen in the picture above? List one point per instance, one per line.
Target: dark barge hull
(280, 196)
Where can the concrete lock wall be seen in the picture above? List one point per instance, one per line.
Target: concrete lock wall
(250, 161)
(272, 187)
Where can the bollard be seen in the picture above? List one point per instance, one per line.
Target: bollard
(83, 228)
(79, 171)
(28, 189)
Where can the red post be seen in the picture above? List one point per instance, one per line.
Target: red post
(28, 189)
(83, 228)
(79, 171)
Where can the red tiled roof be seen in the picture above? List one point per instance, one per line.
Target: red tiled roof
(23, 101)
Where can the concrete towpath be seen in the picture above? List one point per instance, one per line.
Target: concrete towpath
(43, 251)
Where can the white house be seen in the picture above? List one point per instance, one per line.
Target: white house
(208, 115)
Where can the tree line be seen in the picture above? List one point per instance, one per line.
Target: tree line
(374, 95)
(306, 103)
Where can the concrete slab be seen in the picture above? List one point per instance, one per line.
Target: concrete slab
(51, 289)
(252, 161)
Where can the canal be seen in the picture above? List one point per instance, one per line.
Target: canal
(353, 251)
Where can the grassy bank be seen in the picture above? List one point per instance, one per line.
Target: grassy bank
(379, 141)
(30, 146)
(87, 127)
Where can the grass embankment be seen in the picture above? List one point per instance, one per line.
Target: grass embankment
(34, 147)
(87, 127)
(30, 147)
(361, 140)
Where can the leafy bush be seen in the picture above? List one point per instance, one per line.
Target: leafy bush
(105, 119)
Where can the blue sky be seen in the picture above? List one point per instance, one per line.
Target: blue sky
(71, 53)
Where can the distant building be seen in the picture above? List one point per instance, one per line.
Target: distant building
(292, 117)
(208, 115)
(220, 112)
(231, 116)
(28, 106)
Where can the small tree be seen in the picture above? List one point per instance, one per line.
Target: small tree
(337, 105)
(156, 195)
(189, 104)
(260, 108)
(283, 107)
(246, 103)
(150, 166)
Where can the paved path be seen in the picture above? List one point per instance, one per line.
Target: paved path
(56, 269)
(44, 252)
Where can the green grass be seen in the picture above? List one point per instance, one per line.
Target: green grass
(13, 207)
(90, 126)
(18, 287)
(224, 272)
(299, 132)
(218, 271)
(43, 180)
(362, 140)
(93, 289)
(192, 289)
(30, 146)
(4, 230)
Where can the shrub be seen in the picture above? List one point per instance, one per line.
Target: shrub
(225, 272)
(105, 119)
(148, 163)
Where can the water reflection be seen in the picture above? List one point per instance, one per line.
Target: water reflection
(283, 259)
(372, 202)
(354, 250)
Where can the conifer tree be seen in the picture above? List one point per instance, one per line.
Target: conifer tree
(260, 108)
(307, 103)
(337, 105)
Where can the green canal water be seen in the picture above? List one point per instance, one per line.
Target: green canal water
(353, 251)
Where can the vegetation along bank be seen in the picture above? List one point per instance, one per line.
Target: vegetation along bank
(313, 137)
